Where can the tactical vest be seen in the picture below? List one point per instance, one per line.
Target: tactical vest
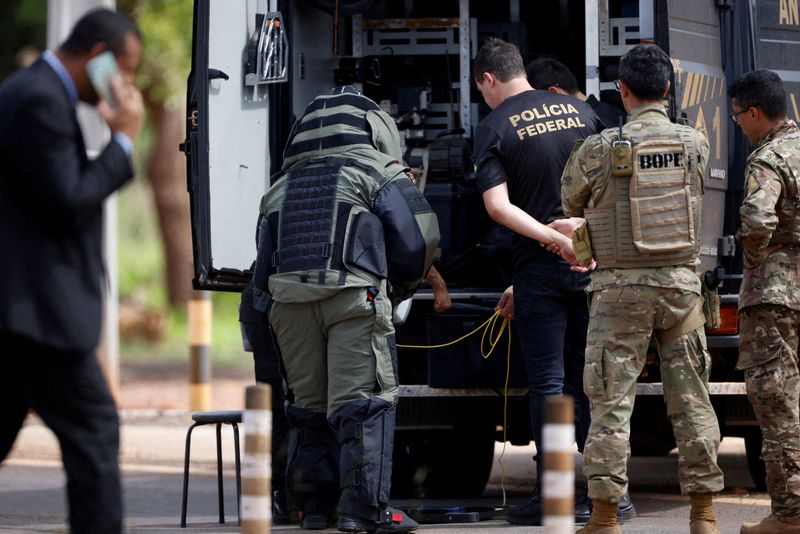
(784, 159)
(333, 217)
(320, 235)
(648, 213)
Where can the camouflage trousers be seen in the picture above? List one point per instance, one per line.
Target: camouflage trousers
(337, 350)
(622, 321)
(768, 354)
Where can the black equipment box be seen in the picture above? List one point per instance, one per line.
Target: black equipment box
(461, 365)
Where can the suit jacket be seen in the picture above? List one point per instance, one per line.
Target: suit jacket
(51, 195)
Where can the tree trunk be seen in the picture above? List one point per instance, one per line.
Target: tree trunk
(166, 173)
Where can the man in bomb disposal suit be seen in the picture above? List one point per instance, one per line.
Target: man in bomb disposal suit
(640, 191)
(344, 233)
(769, 304)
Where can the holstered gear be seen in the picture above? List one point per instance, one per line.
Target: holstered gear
(647, 214)
(365, 430)
(711, 304)
(313, 465)
(693, 320)
(582, 245)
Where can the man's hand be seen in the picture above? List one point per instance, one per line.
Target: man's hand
(127, 117)
(566, 226)
(506, 304)
(441, 296)
(563, 247)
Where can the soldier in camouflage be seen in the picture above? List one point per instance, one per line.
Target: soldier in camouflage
(769, 303)
(644, 285)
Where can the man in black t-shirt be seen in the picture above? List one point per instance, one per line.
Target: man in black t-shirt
(551, 75)
(520, 151)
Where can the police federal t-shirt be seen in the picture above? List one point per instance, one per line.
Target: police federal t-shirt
(525, 143)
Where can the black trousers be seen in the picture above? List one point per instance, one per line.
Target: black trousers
(69, 392)
(267, 370)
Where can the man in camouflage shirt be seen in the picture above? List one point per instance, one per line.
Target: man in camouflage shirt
(636, 295)
(769, 303)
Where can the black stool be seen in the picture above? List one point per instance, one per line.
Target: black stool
(232, 418)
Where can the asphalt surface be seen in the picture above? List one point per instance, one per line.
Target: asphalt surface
(32, 496)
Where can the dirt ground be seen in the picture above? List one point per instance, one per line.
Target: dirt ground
(165, 387)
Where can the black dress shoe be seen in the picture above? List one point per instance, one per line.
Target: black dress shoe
(529, 513)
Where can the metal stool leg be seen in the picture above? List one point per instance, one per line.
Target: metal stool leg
(186, 475)
(219, 474)
(238, 472)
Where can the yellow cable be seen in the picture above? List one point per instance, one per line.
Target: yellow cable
(505, 415)
(465, 336)
(488, 326)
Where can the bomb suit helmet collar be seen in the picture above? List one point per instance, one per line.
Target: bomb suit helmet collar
(340, 121)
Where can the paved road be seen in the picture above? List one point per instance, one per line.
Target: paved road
(32, 498)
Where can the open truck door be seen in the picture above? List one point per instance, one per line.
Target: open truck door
(240, 50)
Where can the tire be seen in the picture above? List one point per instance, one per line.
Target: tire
(752, 445)
(448, 463)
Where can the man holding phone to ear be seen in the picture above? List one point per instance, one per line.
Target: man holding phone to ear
(51, 272)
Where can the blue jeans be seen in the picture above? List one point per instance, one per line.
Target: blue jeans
(551, 314)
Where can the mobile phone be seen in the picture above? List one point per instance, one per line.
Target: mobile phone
(101, 69)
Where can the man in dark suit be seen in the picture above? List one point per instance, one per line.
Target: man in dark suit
(51, 264)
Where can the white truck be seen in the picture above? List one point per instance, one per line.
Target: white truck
(257, 63)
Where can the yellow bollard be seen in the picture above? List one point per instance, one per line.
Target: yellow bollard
(199, 318)
(558, 480)
(256, 505)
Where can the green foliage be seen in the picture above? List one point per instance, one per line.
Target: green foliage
(141, 256)
(166, 27)
(141, 282)
(22, 23)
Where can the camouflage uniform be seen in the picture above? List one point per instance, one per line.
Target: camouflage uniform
(628, 306)
(769, 308)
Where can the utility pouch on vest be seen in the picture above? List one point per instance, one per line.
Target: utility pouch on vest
(366, 249)
(710, 305)
(582, 245)
(621, 157)
(662, 221)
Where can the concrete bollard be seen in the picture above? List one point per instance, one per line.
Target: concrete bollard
(256, 505)
(558, 480)
(198, 316)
